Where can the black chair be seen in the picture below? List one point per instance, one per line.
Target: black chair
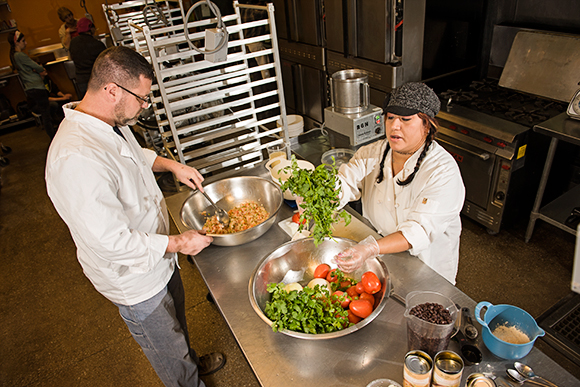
(69, 67)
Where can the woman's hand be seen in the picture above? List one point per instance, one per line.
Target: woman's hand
(353, 258)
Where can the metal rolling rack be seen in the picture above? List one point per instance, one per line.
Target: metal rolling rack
(216, 117)
(142, 13)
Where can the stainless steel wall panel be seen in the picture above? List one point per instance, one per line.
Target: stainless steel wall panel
(313, 56)
(300, 21)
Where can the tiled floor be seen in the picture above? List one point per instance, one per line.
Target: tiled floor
(56, 330)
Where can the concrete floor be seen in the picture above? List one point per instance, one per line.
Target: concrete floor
(56, 330)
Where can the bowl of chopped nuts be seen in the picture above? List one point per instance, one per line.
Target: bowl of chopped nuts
(252, 204)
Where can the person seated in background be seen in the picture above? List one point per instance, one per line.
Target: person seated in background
(56, 99)
(68, 29)
(84, 50)
(31, 75)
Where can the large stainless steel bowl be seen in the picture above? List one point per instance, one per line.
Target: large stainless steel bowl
(227, 194)
(303, 255)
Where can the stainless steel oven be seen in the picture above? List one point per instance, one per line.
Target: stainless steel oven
(487, 126)
(491, 154)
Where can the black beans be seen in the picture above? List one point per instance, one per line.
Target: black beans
(426, 339)
(432, 312)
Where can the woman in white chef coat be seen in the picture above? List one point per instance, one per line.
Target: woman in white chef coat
(410, 187)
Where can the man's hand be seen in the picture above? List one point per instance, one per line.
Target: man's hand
(189, 243)
(188, 176)
(184, 173)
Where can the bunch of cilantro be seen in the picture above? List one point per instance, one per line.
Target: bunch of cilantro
(319, 190)
(307, 311)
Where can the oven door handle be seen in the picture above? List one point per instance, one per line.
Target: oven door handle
(484, 155)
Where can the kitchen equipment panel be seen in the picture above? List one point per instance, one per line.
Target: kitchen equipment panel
(359, 128)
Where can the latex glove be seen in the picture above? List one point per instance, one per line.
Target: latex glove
(353, 258)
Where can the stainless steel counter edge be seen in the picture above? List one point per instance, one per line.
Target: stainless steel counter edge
(561, 127)
(376, 351)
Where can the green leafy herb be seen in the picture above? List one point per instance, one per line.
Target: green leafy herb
(318, 189)
(340, 277)
(307, 311)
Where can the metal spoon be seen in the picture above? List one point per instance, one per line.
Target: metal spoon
(516, 377)
(221, 215)
(527, 372)
(469, 329)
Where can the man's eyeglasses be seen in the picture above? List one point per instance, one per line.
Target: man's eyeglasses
(146, 100)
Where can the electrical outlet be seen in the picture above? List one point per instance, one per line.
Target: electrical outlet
(213, 38)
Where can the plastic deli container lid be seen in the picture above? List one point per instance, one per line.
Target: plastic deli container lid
(383, 383)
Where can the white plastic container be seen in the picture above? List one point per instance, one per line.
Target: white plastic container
(295, 124)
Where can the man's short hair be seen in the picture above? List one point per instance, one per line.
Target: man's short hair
(63, 13)
(121, 65)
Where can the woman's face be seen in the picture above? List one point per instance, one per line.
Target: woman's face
(405, 133)
(21, 45)
(69, 19)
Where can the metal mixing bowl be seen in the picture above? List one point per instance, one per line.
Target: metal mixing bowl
(303, 255)
(227, 194)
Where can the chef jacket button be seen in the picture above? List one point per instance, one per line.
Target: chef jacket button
(379, 201)
(396, 205)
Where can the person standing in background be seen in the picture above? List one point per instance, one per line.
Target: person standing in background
(68, 29)
(31, 74)
(84, 50)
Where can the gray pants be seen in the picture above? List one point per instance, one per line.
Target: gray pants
(159, 327)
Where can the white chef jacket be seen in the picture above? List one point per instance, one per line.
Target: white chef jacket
(426, 211)
(104, 189)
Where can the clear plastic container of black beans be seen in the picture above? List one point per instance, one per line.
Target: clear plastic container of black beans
(430, 320)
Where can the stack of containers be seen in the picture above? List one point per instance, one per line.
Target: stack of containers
(295, 125)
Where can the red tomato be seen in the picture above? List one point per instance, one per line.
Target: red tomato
(321, 270)
(368, 297)
(361, 308)
(331, 277)
(345, 284)
(296, 219)
(352, 292)
(371, 282)
(340, 297)
(353, 318)
(360, 288)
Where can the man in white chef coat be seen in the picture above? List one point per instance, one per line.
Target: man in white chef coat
(101, 182)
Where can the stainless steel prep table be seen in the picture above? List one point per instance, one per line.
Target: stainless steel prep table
(376, 351)
(555, 213)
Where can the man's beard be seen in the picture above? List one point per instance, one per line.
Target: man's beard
(122, 120)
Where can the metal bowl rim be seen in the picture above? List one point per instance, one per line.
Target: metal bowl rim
(272, 214)
(320, 336)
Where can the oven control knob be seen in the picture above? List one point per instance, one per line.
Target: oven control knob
(500, 195)
(378, 130)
